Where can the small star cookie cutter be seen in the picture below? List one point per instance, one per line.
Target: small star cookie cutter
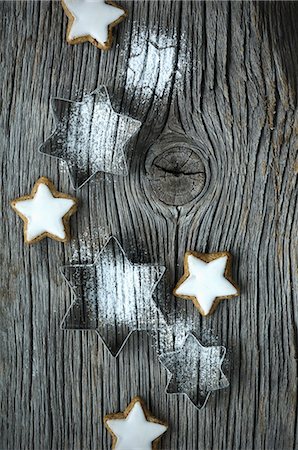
(195, 370)
(113, 297)
(90, 137)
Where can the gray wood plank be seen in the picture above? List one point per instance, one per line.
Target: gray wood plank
(226, 75)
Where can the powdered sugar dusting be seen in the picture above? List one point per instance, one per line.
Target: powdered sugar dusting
(152, 63)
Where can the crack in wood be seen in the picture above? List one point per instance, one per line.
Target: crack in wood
(175, 170)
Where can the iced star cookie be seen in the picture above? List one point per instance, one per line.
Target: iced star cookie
(206, 280)
(93, 21)
(45, 212)
(135, 428)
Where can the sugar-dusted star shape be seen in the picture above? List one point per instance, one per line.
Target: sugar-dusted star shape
(135, 428)
(195, 370)
(206, 280)
(93, 21)
(45, 212)
(90, 136)
(113, 296)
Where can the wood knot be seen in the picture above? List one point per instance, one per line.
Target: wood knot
(175, 170)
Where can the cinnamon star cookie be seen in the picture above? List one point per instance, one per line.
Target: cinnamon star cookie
(93, 21)
(206, 280)
(45, 212)
(135, 428)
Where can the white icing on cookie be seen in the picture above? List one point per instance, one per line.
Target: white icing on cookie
(206, 281)
(92, 18)
(135, 432)
(44, 213)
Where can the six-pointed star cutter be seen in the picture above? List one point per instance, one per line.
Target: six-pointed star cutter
(195, 370)
(113, 297)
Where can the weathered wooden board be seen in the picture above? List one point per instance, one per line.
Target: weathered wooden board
(223, 78)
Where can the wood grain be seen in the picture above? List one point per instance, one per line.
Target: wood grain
(226, 73)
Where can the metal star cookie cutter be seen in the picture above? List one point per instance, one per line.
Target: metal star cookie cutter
(113, 297)
(195, 370)
(90, 136)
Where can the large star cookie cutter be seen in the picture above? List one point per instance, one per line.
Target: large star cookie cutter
(113, 297)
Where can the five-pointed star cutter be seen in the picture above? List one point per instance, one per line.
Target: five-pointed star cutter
(113, 297)
(90, 136)
(195, 370)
